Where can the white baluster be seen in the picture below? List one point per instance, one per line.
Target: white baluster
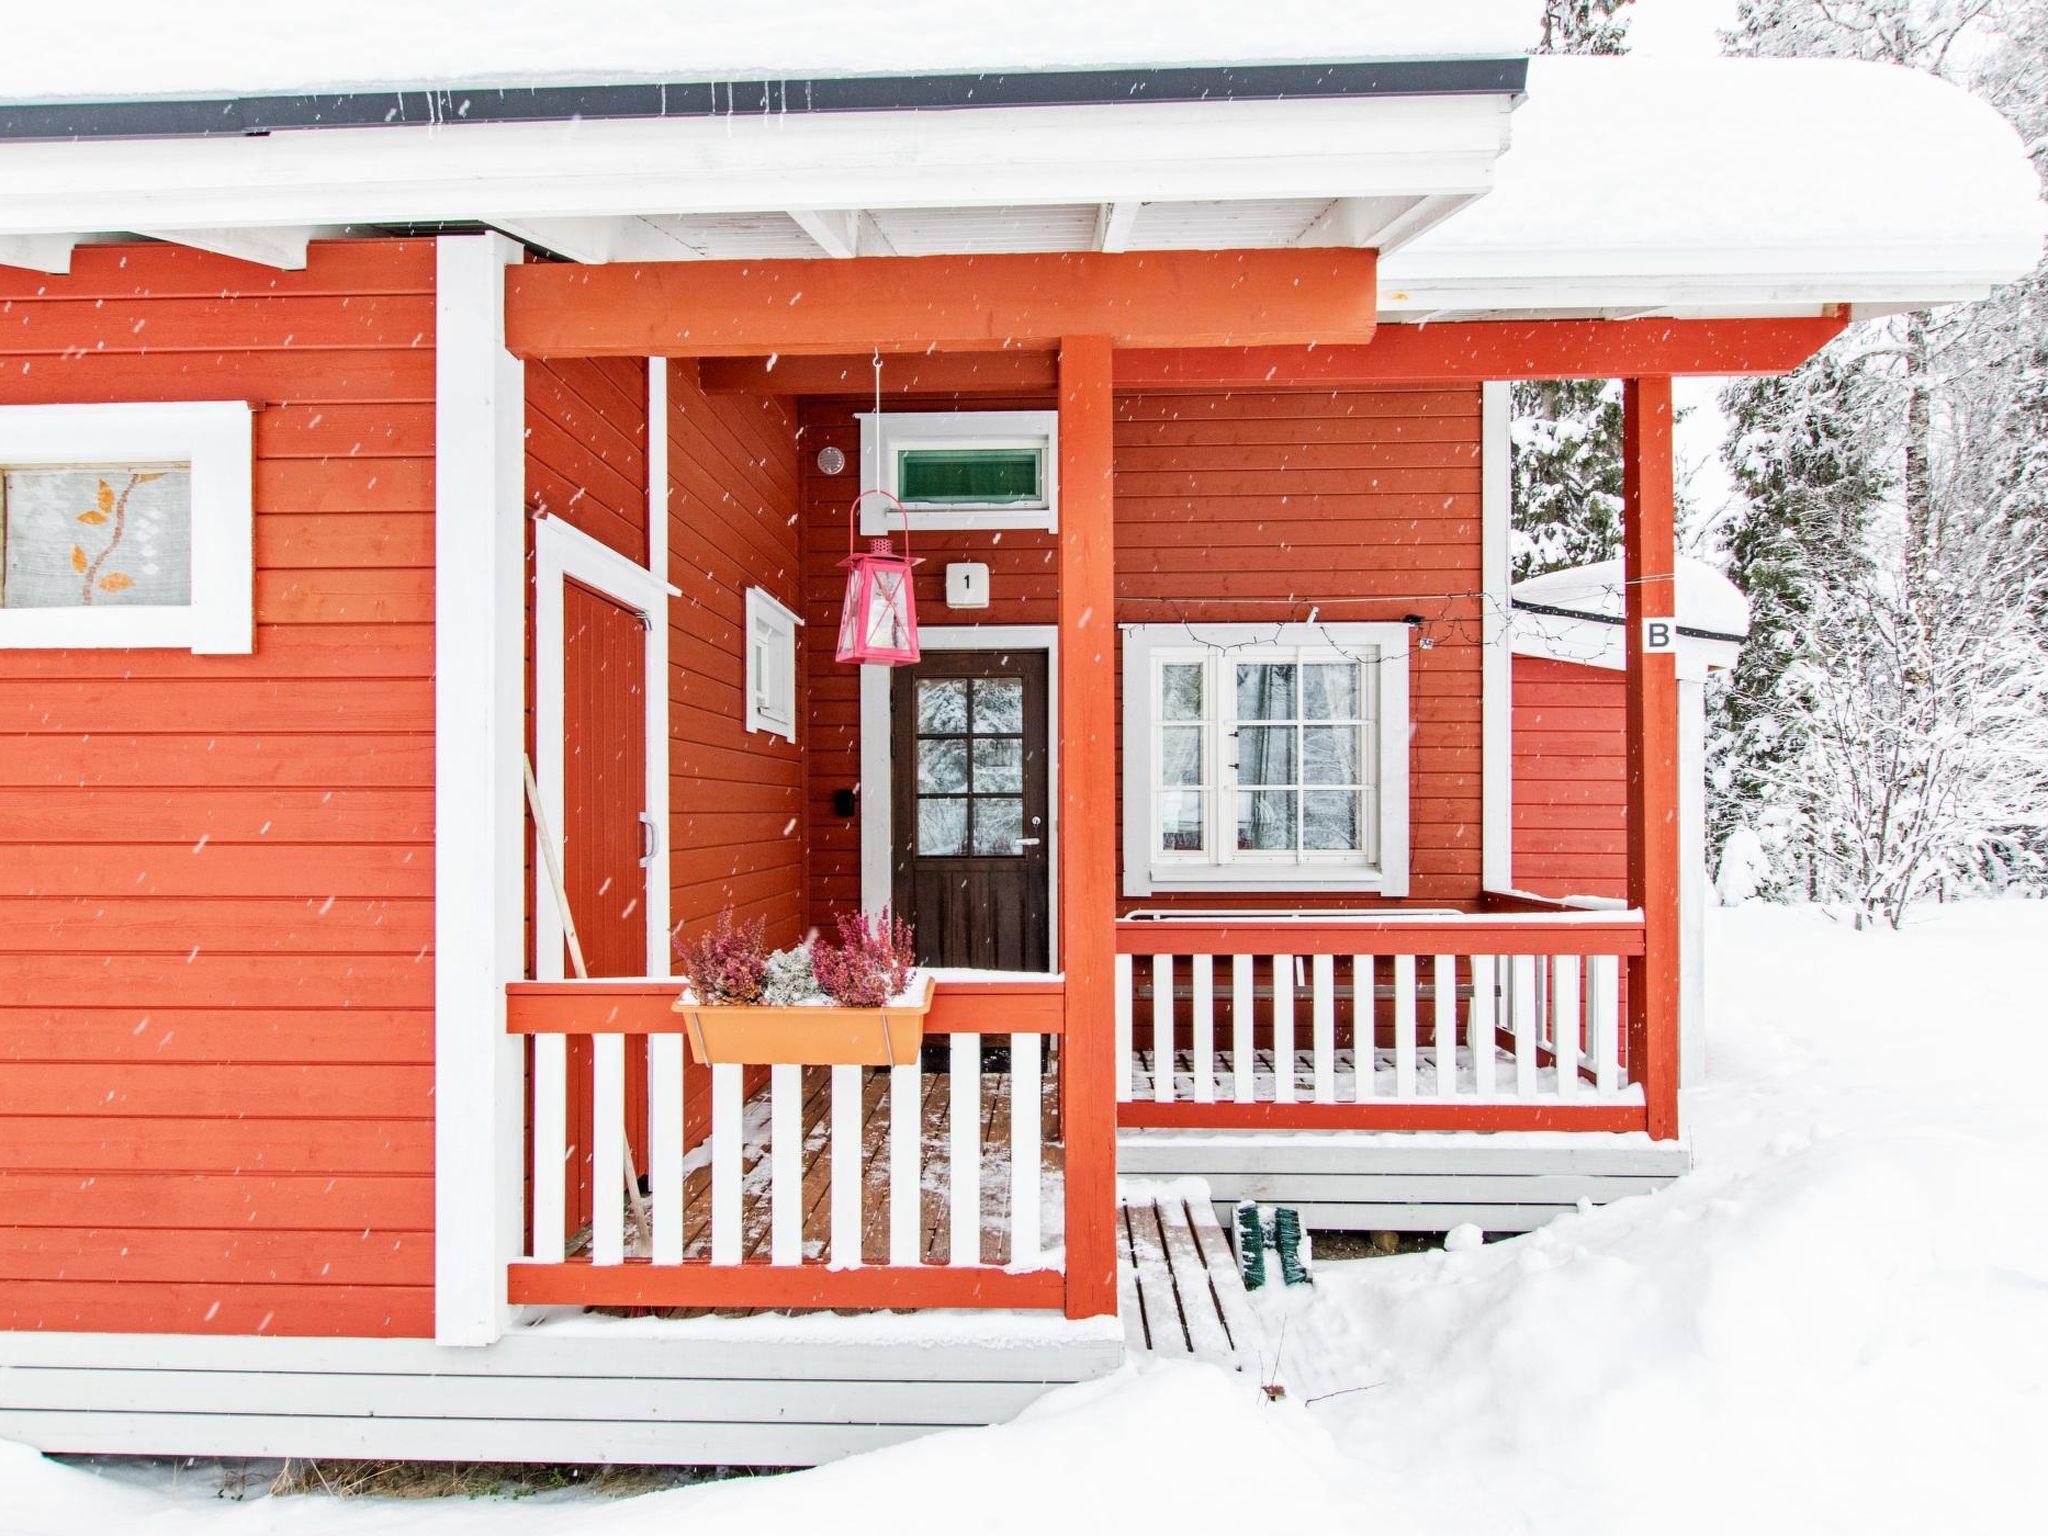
(1025, 1155)
(964, 1113)
(665, 1144)
(1364, 1027)
(1124, 1049)
(1564, 1022)
(1323, 1012)
(1447, 1025)
(847, 1129)
(1203, 1001)
(906, 1133)
(550, 1147)
(1523, 969)
(1162, 1029)
(1603, 1021)
(1480, 1025)
(1404, 1026)
(785, 1164)
(608, 1149)
(727, 1136)
(1283, 1029)
(1244, 1060)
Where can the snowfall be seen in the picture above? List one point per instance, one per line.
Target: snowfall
(1838, 1322)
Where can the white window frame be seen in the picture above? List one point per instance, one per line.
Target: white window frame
(1148, 869)
(216, 438)
(771, 621)
(884, 436)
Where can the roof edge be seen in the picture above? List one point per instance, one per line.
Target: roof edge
(244, 116)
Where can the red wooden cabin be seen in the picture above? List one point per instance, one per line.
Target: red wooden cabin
(424, 440)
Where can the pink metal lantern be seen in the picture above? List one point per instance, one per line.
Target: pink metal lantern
(879, 621)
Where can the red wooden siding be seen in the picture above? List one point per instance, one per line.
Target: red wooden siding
(586, 447)
(216, 929)
(1242, 507)
(737, 797)
(1570, 775)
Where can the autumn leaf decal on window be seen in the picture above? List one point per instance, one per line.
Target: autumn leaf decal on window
(108, 506)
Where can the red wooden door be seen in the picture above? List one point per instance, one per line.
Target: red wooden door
(604, 791)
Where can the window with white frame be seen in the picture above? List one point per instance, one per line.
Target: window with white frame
(1263, 757)
(771, 665)
(960, 469)
(127, 526)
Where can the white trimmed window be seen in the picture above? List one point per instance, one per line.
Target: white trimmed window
(1257, 759)
(127, 526)
(771, 665)
(960, 469)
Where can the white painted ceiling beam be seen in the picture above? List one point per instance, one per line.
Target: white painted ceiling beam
(278, 246)
(1113, 223)
(38, 253)
(597, 239)
(835, 231)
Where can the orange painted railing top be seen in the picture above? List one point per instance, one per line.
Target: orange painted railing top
(1604, 933)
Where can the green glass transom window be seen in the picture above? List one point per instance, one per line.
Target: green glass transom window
(984, 477)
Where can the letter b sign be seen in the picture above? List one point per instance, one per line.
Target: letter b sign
(1660, 636)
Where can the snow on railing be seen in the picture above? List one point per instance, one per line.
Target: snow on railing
(1233, 1019)
(656, 1180)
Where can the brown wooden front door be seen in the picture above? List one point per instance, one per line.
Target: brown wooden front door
(972, 857)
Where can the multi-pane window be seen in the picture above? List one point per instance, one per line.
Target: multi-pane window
(970, 766)
(1263, 763)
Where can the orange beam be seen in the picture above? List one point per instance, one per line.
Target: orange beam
(1133, 298)
(644, 1007)
(638, 1283)
(1398, 354)
(1087, 735)
(1648, 541)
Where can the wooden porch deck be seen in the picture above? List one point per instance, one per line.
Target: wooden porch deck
(1179, 1290)
(935, 1154)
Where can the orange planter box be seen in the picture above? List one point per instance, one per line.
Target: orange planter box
(809, 1035)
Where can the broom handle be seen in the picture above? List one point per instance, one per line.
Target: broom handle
(634, 1198)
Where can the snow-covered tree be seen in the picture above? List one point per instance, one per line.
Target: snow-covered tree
(1584, 26)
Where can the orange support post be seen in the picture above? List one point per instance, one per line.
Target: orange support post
(1087, 727)
(1648, 551)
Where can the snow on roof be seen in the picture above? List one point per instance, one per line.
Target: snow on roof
(144, 49)
(1707, 600)
(1680, 177)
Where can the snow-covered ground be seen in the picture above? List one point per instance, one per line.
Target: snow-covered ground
(1840, 1322)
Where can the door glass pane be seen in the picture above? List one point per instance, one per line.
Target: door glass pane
(1180, 754)
(1265, 690)
(1265, 754)
(998, 705)
(999, 766)
(1329, 691)
(1329, 820)
(941, 825)
(1265, 820)
(998, 823)
(942, 705)
(1180, 691)
(96, 538)
(942, 766)
(1329, 754)
(1180, 821)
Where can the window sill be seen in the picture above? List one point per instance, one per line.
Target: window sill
(1352, 878)
(877, 524)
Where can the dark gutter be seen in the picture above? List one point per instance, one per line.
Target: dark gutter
(1607, 618)
(249, 115)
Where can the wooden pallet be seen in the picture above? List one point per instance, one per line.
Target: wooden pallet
(1181, 1294)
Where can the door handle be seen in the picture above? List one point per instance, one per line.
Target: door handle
(650, 840)
(1026, 842)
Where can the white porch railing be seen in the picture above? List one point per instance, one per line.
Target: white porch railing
(1243, 1013)
(657, 1181)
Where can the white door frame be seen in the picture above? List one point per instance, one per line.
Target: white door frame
(877, 782)
(563, 553)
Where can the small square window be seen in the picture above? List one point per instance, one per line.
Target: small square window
(127, 526)
(771, 665)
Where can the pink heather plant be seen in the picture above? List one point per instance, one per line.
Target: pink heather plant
(870, 964)
(728, 964)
